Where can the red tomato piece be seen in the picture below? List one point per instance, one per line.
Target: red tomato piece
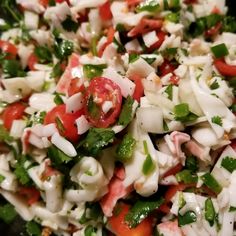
(166, 68)
(174, 80)
(223, 68)
(31, 194)
(49, 171)
(190, 1)
(213, 30)
(119, 227)
(67, 120)
(32, 60)
(139, 90)
(161, 37)
(144, 26)
(174, 170)
(102, 90)
(110, 35)
(14, 111)
(105, 11)
(133, 2)
(74, 87)
(8, 47)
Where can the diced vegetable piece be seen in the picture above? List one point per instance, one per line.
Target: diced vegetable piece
(209, 211)
(186, 177)
(229, 164)
(125, 149)
(211, 183)
(126, 112)
(91, 71)
(216, 120)
(140, 210)
(188, 218)
(220, 50)
(7, 213)
(150, 6)
(33, 228)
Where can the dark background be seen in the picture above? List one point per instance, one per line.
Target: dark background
(17, 226)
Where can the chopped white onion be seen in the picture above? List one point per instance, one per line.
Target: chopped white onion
(82, 125)
(74, 103)
(150, 38)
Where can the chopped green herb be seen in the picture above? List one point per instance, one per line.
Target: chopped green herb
(181, 199)
(12, 68)
(63, 48)
(220, 50)
(209, 211)
(229, 24)
(188, 218)
(214, 85)
(169, 52)
(33, 228)
(126, 112)
(166, 5)
(150, 6)
(96, 140)
(174, 5)
(57, 157)
(43, 53)
(229, 163)
(57, 99)
(120, 47)
(169, 91)
(186, 177)
(20, 172)
(7, 213)
(125, 149)
(140, 210)
(91, 71)
(191, 164)
(2, 178)
(217, 120)
(133, 57)
(173, 17)
(232, 209)
(57, 70)
(120, 28)
(149, 60)
(69, 24)
(90, 231)
(60, 125)
(211, 183)
(94, 42)
(4, 135)
(148, 165)
(165, 126)
(182, 113)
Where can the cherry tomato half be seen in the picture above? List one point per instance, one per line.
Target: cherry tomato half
(14, 111)
(8, 48)
(102, 92)
(65, 121)
(223, 68)
(119, 227)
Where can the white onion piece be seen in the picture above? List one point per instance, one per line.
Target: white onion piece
(150, 119)
(35, 80)
(150, 38)
(24, 52)
(74, 103)
(127, 86)
(133, 46)
(64, 145)
(82, 125)
(95, 21)
(42, 37)
(10, 181)
(140, 67)
(31, 20)
(32, 5)
(83, 4)
(17, 128)
(42, 101)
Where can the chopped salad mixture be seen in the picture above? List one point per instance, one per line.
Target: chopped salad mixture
(118, 117)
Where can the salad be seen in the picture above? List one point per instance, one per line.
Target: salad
(118, 117)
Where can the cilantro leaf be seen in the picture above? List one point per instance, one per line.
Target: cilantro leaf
(57, 157)
(217, 120)
(7, 213)
(91, 71)
(33, 228)
(229, 163)
(69, 25)
(140, 210)
(43, 53)
(126, 112)
(20, 171)
(12, 68)
(96, 139)
(4, 135)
